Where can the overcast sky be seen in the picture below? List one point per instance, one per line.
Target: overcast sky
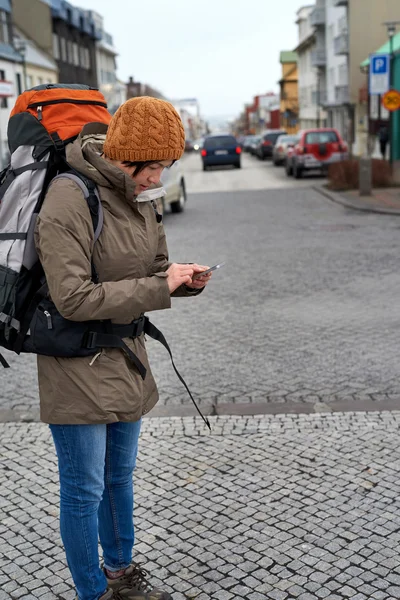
(222, 52)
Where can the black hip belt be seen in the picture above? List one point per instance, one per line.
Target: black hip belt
(52, 335)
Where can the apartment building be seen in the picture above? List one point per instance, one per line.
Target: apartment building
(311, 53)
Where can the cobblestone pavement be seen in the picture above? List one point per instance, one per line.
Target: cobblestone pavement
(304, 314)
(281, 507)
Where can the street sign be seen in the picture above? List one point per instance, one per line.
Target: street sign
(391, 100)
(379, 74)
(6, 89)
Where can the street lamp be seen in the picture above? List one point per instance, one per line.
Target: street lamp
(391, 27)
(21, 47)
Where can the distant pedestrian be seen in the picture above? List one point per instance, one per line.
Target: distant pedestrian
(94, 404)
(383, 136)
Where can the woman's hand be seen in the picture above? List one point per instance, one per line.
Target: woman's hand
(179, 274)
(199, 282)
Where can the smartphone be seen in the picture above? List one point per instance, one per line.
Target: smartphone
(214, 268)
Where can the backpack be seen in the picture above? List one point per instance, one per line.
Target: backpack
(43, 121)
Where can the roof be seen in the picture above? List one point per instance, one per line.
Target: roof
(385, 49)
(288, 56)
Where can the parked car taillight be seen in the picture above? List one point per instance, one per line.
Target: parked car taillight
(238, 149)
(267, 143)
(204, 152)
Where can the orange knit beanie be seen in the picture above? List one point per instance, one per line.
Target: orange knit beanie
(145, 128)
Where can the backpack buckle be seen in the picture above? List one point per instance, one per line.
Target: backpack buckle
(90, 340)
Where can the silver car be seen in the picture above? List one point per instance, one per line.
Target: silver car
(173, 182)
(283, 143)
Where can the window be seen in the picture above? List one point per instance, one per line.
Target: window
(4, 101)
(40, 80)
(221, 141)
(70, 57)
(4, 31)
(82, 57)
(321, 137)
(75, 49)
(63, 46)
(56, 47)
(19, 83)
(87, 57)
(29, 81)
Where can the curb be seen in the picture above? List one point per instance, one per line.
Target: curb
(338, 199)
(240, 409)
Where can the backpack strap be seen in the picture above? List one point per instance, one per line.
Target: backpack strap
(91, 196)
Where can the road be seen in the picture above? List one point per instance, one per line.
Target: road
(303, 317)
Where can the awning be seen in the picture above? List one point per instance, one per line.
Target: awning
(385, 49)
(5, 5)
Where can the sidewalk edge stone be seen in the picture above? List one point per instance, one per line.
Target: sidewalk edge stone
(339, 199)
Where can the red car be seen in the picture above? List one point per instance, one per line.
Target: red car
(316, 150)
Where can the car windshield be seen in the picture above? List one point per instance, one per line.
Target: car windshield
(272, 136)
(321, 137)
(220, 141)
(287, 139)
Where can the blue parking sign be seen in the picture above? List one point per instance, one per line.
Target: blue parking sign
(380, 64)
(379, 73)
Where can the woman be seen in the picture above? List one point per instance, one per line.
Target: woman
(94, 405)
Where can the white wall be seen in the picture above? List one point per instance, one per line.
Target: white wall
(336, 66)
(10, 71)
(306, 72)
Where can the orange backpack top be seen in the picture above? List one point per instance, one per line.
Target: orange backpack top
(63, 109)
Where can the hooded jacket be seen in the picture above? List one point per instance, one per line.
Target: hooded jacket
(130, 258)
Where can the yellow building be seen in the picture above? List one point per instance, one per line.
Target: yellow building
(289, 103)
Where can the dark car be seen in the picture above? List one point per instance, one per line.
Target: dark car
(265, 146)
(220, 150)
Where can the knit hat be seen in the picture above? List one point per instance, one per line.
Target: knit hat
(145, 128)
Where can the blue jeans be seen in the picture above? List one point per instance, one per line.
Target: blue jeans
(95, 465)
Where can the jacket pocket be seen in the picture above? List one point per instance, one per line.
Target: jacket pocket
(52, 335)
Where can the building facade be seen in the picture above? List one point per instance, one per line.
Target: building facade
(75, 37)
(311, 66)
(106, 63)
(38, 67)
(11, 75)
(289, 98)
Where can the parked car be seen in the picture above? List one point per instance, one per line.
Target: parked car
(198, 144)
(288, 161)
(220, 150)
(253, 144)
(266, 144)
(173, 182)
(189, 146)
(283, 143)
(316, 150)
(240, 140)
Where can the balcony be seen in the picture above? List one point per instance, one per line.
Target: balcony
(340, 2)
(318, 17)
(319, 98)
(342, 94)
(318, 57)
(341, 44)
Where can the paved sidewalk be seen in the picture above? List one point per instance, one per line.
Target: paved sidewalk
(385, 201)
(270, 507)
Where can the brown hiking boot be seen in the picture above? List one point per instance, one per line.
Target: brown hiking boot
(133, 585)
(108, 595)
